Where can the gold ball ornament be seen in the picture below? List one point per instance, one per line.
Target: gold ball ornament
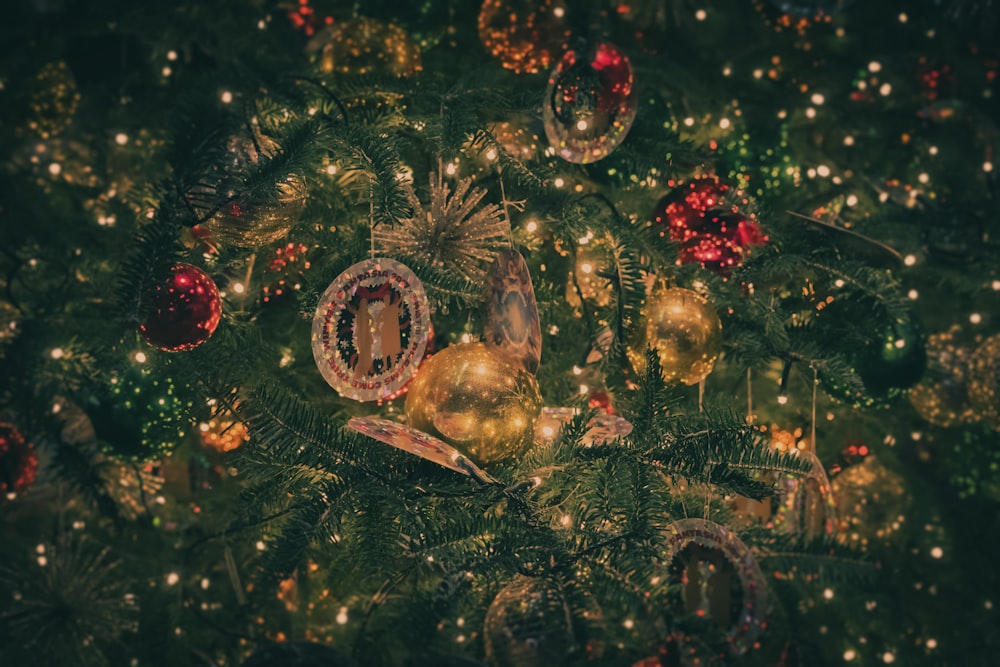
(941, 397)
(984, 379)
(473, 398)
(53, 102)
(872, 502)
(238, 214)
(684, 330)
(366, 46)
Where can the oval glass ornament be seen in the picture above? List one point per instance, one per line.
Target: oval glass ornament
(590, 103)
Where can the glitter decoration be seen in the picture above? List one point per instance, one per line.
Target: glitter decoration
(590, 103)
(718, 577)
(365, 46)
(526, 36)
(184, 312)
(223, 433)
(685, 331)
(139, 415)
(707, 229)
(284, 271)
(531, 623)
(241, 211)
(18, 461)
(472, 397)
(454, 234)
(370, 329)
(984, 379)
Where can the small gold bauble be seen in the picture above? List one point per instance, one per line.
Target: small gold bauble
(684, 330)
(473, 398)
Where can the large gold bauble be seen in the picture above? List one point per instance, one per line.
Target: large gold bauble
(684, 330)
(471, 397)
(984, 379)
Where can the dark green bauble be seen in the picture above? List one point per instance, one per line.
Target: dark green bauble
(139, 414)
(888, 363)
(299, 654)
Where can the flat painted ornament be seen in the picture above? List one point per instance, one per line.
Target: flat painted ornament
(512, 324)
(718, 577)
(370, 329)
(418, 443)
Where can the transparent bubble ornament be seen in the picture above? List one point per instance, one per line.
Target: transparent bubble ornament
(590, 103)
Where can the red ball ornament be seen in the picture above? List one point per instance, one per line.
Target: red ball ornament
(185, 312)
(18, 461)
(708, 231)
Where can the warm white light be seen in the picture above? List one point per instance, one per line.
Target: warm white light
(817, 98)
(55, 168)
(724, 123)
(810, 112)
(450, 169)
(727, 70)
(121, 138)
(828, 594)
(584, 390)
(976, 318)
(531, 227)
(140, 357)
(913, 294)
(226, 97)
(932, 643)
(933, 150)
(848, 140)
(581, 125)
(852, 200)
(924, 177)
(995, 285)
(888, 658)
(56, 353)
(910, 260)
(342, 616)
(701, 14)
(173, 578)
(782, 400)
(937, 552)
(823, 170)
(491, 154)
(559, 182)
(874, 66)
(903, 18)
(850, 654)
(987, 166)
(171, 55)
(239, 288)
(885, 89)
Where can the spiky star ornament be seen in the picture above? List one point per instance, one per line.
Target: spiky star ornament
(68, 606)
(453, 233)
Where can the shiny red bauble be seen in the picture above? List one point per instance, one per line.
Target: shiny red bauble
(185, 310)
(707, 230)
(18, 460)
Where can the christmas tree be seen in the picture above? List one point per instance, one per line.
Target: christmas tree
(499, 333)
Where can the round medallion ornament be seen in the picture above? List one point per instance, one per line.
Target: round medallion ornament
(370, 329)
(719, 578)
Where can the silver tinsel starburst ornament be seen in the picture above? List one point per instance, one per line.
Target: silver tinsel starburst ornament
(454, 233)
